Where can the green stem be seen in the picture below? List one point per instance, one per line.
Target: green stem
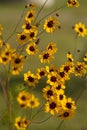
(60, 125)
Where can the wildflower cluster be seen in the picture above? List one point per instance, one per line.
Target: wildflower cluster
(56, 101)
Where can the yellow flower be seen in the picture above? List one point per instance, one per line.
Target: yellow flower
(15, 70)
(85, 57)
(51, 68)
(31, 79)
(80, 69)
(52, 106)
(53, 78)
(33, 102)
(50, 24)
(6, 55)
(80, 29)
(32, 33)
(72, 3)
(48, 92)
(45, 57)
(17, 60)
(66, 113)
(41, 72)
(21, 123)
(51, 47)
(22, 37)
(30, 15)
(32, 48)
(70, 57)
(27, 26)
(23, 98)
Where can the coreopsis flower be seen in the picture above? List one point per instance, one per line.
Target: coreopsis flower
(21, 123)
(32, 34)
(48, 92)
(26, 27)
(15, 70)
(73, 3)
(80, 69)
(33, 102)
(31, 79)
(51, 68)
(52, 47)
(80, 29)
(60, 95)
(22, 37)
(41, 72)
(66, 113)
(45, 57)
(50, 24)
(4, 59)
(85, 57)
(32, 48)
(68, 109)
(17, 60)
(68, 67)
(53, 78)
(6, 54)
(69, 104)
(52, 106)
(30, 16)
(59, 86)
(23, 98)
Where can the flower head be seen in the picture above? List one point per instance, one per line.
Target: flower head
(80, 29)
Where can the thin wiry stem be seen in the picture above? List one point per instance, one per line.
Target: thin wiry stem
(57, 9)
(40, 122)
(81, 92)
(60, 125)
(75, 49)
(40, 10)
(16, 26)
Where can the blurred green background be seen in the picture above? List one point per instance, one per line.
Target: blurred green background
(10, 13)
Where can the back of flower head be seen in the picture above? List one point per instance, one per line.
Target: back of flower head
(49, 3)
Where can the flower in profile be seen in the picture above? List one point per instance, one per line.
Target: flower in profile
(30, 78)
(80, 69)
(72, 3)
(85, 57)
(80, 29)
(50, 24)
(22, 37)
(45, 57)
(30, 16)
(51, 47)
(51, 68)
(21, 123)
(32, 48)
(70, 57)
